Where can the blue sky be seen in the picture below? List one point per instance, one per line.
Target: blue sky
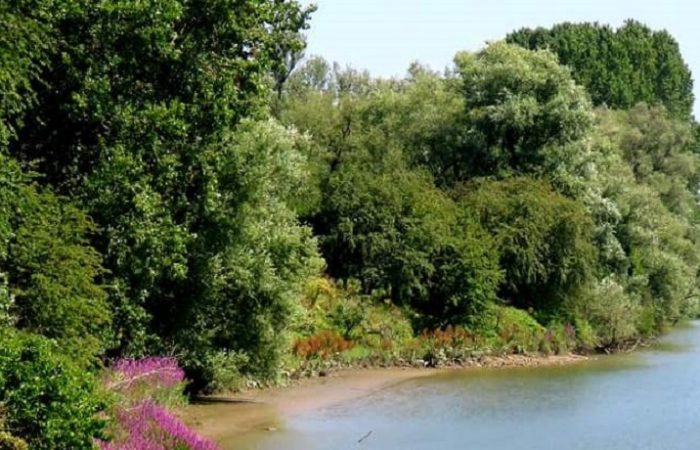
(385, 36)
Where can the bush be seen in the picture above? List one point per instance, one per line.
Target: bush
(543, 240)
(9, 442)
(321, 346)
(451, 343)
(48, 270)
(393, 230)
(511, 330)
(144, 390)
(612, 314)
(49, 402)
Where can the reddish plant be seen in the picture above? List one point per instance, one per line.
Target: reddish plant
(321, 345)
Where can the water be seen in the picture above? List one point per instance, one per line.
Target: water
(645, 400)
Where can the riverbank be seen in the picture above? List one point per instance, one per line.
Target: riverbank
(227, 418)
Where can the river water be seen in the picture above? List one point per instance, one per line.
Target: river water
(648, 399)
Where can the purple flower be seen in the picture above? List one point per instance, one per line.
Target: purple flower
(140, 422)
(149, 426)
(156, 371)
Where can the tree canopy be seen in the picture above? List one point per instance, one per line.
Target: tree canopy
(619, 67)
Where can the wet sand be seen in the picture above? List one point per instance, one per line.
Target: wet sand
(228, 419)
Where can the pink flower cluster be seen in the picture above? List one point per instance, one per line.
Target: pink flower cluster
(140, 422)
(152, 427)
(156, 371)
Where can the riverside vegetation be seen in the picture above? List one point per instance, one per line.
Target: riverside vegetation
(178, 190)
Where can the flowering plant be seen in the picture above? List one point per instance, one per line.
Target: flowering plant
(145, 388)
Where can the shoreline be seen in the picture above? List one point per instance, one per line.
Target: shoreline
(229, 418)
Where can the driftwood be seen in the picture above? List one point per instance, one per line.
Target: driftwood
(364, 437)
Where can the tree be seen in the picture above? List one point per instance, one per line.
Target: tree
(619, 68)
(133, 103)
(520, 106)
(402, 238)
(50, 272)
(543, 240)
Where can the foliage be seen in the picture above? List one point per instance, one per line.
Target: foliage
(520, 105)
(50, 271)
(9, 442)
(150, 205)
(321, 345)
(510, 330)
(47, 400)
(543, 240)
(404, 239)
(649, 179)
(619, 68)
(138, 117)
(612, 313)
(25, 41)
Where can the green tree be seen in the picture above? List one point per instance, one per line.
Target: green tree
(134, 107)
(50, 272)
(521, 107)
(401, 237)
(543, 240)
(619, 68)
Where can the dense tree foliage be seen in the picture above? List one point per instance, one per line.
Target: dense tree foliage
(48, 268)
(543, 238)
(592, 211)
(136, 117)
(619, 68)
(173, 182)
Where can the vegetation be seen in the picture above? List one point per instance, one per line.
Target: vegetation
(174, 182)
(619, 68)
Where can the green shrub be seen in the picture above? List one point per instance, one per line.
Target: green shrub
(9, 442)
(543, 240)
(612, 313)
(49, 402)
(585, 335)
(226, 371)
(512, 330)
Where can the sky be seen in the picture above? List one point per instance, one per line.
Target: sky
(385, 36)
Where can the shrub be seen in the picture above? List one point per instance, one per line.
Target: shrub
(226, 371)
(448, 343)
(612, 313)
(144, 389)
(150, 426)
(511, 329)
(9, 442)
(322, 345)
(404, 239)
(49, 402)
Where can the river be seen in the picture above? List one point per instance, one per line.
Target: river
(649, 399)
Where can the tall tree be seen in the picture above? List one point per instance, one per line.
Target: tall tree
(620, 67)
(137, 116)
